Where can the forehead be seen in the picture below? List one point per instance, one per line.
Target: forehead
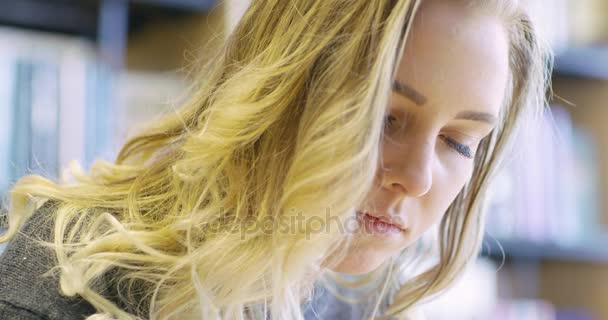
(456, 58)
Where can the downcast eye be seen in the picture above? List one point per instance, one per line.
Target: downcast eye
(390, 121)
(460, 148)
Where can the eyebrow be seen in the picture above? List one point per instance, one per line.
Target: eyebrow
(409, 92)
(419, 99)
(477, 116)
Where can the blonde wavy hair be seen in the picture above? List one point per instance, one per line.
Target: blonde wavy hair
(286, 120)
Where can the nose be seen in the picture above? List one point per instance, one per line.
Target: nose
(408, 169)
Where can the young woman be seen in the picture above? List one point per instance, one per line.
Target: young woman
(296, 183)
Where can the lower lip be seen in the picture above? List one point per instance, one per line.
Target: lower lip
(377, 227)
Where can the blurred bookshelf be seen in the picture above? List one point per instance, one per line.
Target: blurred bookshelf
(522, 250)
(584, 62)
(78, 76)
(107, 22)
(548, 218)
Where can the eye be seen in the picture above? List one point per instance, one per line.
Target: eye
(394, 123)
(460, 148)
(390, 121)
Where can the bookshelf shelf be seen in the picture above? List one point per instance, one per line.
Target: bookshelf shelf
(108, 22)
(586, 62)
(192, 5)
(520, 250)
(82, 17)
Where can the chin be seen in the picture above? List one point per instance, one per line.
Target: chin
(360, 263)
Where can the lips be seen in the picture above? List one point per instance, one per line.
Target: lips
(386, 219)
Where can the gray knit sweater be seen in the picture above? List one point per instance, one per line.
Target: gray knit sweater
(25, 294)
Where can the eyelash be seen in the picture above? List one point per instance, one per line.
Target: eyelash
(460, 148)
(463, 150)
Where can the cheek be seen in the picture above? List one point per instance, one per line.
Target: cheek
(453, 173)
(447, 185)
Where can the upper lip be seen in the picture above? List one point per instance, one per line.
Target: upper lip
(388, 219)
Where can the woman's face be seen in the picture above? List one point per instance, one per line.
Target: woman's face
(450, 87)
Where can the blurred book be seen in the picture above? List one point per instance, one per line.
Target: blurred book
(52, 100)
(573, 315)
(570, 23)
(476, 296)
(523, 309)
(547, 193)
(44, 119)
(59, 103)
(100, 113)
(553, 21)
(145, 96)
(7, 83)
(588, 24)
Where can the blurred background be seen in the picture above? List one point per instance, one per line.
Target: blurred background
(78, 76)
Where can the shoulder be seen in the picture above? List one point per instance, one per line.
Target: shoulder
(26, 292)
